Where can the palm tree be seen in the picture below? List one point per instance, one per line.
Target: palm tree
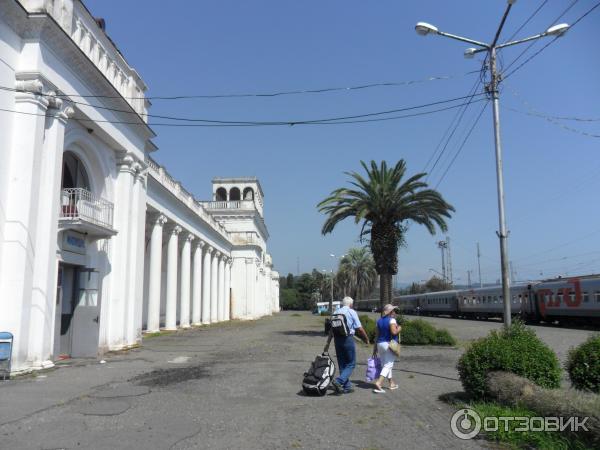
(357, 270)
(385, 204)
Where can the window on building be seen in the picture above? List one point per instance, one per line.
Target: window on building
(586, 297)
(234, 194)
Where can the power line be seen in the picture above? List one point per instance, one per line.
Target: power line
(254, 124)
(460, 115)
(279, 93)
(554, 122)
(552, 41)
(242, 122)
(528, 20)
(463, 144)
(536, 41)
(437, 148)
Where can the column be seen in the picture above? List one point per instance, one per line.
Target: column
(197, 285)
(156, 239)
(206, 285)
(41, 332)
(186, 269)
(228, 289)
(221, 293)
(171, 313)
(250, 288)
(20, 216)
(121, 258)
(137, 242)
(214, 283)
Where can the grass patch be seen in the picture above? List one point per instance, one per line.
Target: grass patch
(524, 439)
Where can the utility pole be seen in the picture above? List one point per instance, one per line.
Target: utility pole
(449, 261)
(469, 278)
(479, 265)
(424, 29)
(442, 247)
(512, 272)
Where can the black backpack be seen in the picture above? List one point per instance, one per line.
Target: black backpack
(320, 374)
(339, 325)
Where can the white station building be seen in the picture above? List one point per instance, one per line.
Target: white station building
(98, 243)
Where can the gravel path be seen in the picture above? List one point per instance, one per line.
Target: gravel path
(237, 385)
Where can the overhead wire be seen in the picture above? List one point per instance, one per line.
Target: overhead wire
(533, 14)
(276, 93)
(462, 144)
(535, 42)
(589, 11)
(328, 121)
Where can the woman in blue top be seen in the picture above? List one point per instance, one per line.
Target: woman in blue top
(387, 329)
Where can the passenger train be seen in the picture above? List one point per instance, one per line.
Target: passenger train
(573, 299)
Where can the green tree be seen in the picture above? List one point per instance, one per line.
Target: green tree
(357, 272)
(436, 284)
(289, 283)
(385, 204)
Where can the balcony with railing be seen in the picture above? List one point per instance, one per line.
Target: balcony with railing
(232, 204)
(82, 211)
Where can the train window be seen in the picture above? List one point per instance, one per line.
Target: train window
(586, 297)
(597, 295)
(572, 296)
(495, 299)
(560, 297)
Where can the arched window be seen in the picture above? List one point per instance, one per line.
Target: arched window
(221, 195)
(248, 194)
(73, 173)
(234, 194)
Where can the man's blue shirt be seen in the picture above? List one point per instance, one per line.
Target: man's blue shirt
(351, 318)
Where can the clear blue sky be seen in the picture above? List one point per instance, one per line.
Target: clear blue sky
(552, 175)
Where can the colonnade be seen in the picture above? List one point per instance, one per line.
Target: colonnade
(204, 279)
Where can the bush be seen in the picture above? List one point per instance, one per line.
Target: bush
(369, 325)
(414, 332)
(517, 350)
(583, 365)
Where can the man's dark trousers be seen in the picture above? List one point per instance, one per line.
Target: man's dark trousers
(346, 355)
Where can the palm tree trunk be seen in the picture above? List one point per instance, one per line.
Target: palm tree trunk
(385, 290)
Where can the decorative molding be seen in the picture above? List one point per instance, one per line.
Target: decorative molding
(209, 249)
(176, 230)
(160, 220)
(200, 244)
(190, 237)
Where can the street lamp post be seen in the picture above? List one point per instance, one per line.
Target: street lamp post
(423, 29)
(332, 276)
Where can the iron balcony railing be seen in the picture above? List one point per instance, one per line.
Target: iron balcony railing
(81, 204)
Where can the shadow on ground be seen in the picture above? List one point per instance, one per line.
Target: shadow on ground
(303, 333)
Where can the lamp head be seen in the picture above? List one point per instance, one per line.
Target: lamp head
(557, 30)
(424, 28)
(470, 53)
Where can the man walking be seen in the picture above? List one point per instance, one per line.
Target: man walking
(344, 347)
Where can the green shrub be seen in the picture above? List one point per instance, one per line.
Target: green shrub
(517, 350)
(369, 325)
(413, 332)
(443, 337)
(418, 332)
(583, 365)
(324, 313)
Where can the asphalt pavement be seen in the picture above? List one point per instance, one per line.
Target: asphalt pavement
(237, 386)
